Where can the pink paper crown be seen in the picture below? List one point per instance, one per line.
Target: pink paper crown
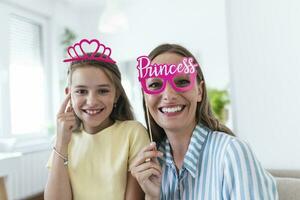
(79, 51)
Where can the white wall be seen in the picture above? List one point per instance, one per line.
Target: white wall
(264, 46)
(198, 25)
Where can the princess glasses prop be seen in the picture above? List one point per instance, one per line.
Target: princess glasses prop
(154, 77)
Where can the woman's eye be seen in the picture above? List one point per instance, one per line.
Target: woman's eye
(182, 82)
(154, 85)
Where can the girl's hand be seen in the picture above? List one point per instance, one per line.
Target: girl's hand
(147, 171)
(66, 121)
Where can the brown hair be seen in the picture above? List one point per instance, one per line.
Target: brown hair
(122, 110)
(204, 113)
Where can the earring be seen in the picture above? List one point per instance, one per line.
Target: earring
(115, 105)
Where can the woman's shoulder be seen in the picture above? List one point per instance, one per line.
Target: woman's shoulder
(234, 148)
(228, 141)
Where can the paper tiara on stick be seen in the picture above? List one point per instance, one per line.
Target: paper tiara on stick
(89, 50)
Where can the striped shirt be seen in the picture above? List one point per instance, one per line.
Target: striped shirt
(216, 166)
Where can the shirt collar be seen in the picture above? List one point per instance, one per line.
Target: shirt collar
(192, 155)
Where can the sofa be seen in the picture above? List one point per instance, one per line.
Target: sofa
(288, 183)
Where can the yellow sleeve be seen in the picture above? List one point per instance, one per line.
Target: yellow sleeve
(138, 140)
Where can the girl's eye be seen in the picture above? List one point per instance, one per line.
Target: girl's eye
(103, 91)
(81, 92)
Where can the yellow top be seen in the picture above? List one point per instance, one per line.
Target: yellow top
(99, 163)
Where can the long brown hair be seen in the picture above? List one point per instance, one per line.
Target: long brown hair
(204, 113)
(122, 109)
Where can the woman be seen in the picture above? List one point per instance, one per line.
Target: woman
(198, 157)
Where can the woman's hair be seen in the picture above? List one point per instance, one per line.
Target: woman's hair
(122, 109)
(204, 113)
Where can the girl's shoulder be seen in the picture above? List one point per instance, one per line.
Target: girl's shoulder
(133, 130)
(131, 127)
(131, 124)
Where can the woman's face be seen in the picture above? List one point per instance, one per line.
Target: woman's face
(93, 96)
(174, 111)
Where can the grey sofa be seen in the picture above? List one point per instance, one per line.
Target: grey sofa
(288, 183)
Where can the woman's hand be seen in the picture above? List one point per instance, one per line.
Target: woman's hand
(147, 171)
(66, 121)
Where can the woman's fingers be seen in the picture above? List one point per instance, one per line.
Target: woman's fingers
(147, 153)
(145, 166)
(151, 146)
(145, 175)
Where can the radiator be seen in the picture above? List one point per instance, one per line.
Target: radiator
(30, 176)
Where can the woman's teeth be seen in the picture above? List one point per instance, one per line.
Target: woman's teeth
(172, 109)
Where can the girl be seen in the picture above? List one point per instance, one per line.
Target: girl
(96, 138)
(199, 158)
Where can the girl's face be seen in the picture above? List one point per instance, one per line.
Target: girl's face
(174, 111)
(93, 96)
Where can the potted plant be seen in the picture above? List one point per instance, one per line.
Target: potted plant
(219, 99)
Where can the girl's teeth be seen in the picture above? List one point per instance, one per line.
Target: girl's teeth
(92, 112)
(172, 110)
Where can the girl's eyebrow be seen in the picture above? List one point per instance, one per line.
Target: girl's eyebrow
(101, 85)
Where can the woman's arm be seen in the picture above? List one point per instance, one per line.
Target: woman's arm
(147, 171)
(133, 189)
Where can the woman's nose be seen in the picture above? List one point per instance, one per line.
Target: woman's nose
(169, 93)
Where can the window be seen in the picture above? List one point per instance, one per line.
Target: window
(25, 84)
(26, 76)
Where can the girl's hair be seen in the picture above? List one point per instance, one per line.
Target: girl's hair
(122, 109)
(204, 113)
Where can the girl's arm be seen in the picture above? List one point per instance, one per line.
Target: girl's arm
(58, 185)
(133, 189)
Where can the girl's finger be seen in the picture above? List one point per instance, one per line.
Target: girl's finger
(70, 118)
(64, 104)
(69, 114)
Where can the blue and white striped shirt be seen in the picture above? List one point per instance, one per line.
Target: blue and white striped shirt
(216, 166)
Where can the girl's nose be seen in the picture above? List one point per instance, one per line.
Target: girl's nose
(169, 93)
(91, 99)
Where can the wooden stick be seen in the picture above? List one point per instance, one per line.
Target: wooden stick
(148, 119)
